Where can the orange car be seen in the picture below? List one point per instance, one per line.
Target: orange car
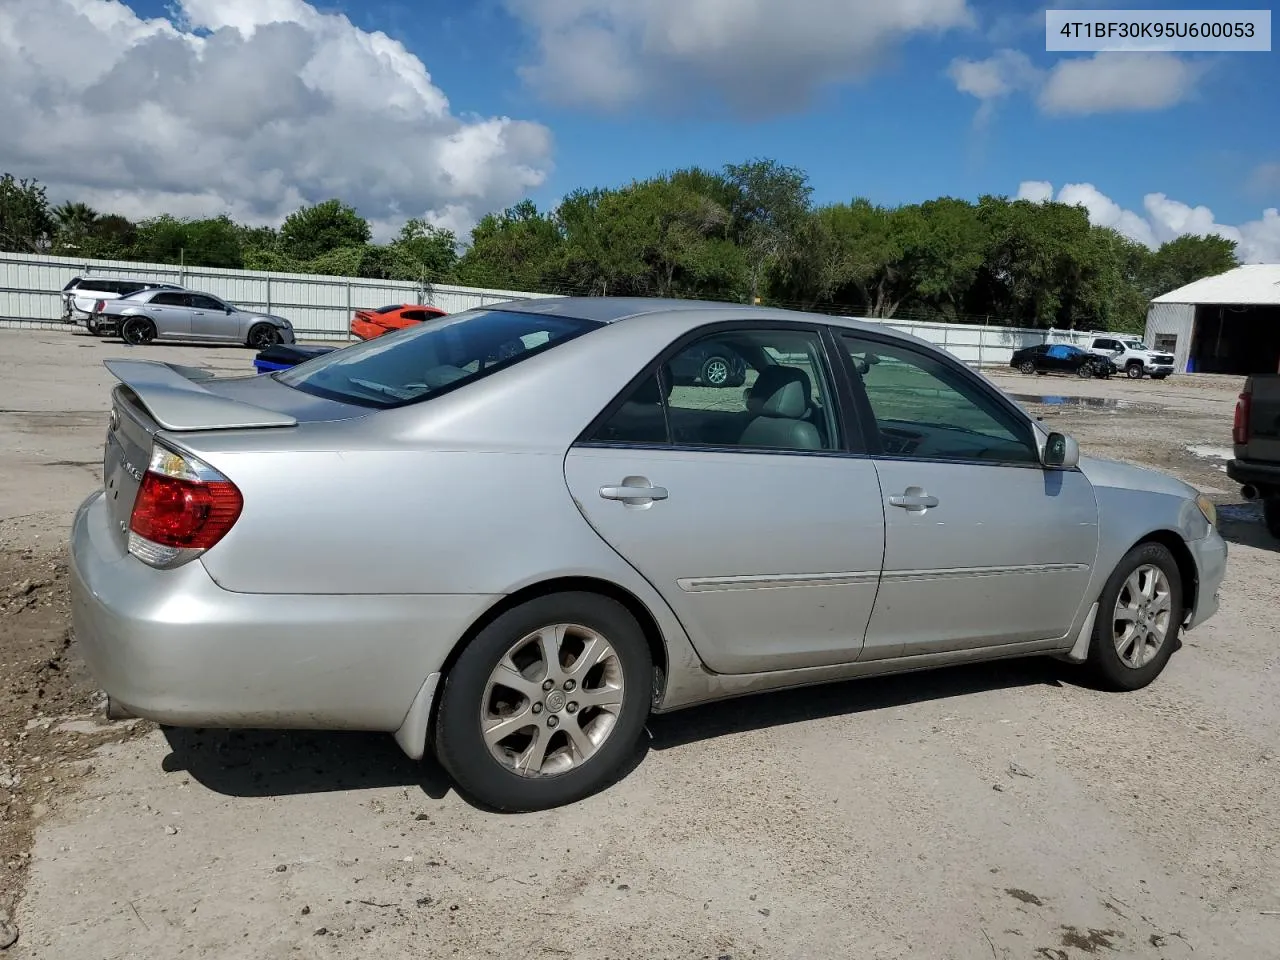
(367, 324)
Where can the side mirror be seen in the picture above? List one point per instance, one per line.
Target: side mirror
(1061, 452)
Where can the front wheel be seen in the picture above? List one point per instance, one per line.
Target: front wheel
(1085, 371)
(1134, 371)
(1139, 614)
(1271, 515)
(546, 704)
(138, 331)
(1027, 367)
(263, 335)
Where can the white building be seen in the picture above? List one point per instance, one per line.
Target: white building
(1228, 323)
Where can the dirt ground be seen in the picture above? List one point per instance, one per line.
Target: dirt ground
(999, 811)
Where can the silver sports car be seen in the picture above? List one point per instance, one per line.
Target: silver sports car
(510, 535)
(177, 314)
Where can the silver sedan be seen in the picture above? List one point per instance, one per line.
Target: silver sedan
(510, 535)
(177, 314)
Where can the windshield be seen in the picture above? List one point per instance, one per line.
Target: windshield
(1136, 345)
(427, 360)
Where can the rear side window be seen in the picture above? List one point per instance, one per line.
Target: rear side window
(428, 359)
(170, 299)
(71, 284)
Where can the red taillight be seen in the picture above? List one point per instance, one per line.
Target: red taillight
(1240, 428)
(182, 504)
(99, 306)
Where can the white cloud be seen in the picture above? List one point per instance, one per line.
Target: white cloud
(1112, 82)
(1037, 191)
(249, 107)
(1103, 83)
(1165, 219)
(992, 79)
(760, 56)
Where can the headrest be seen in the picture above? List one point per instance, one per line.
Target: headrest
(780, 392)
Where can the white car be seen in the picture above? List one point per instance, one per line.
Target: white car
(1133, 356)
(81, 294)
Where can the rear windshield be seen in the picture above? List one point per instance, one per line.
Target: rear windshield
(424, 361)
(394, 306)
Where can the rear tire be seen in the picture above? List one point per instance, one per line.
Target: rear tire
(1271, 515)
(1027, 367)
(1131, 642)
(138, 331)
(92, 326)
(480, 691)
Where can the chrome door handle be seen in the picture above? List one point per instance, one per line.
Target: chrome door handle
(914, 499)
(633, 490)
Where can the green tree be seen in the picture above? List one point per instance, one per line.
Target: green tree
(1186, 260)
(518, 249)
(424, 252)
(768, 207)
(206, 243)
(74, 225)
(26, 225)
(111, 237)
(329, 226)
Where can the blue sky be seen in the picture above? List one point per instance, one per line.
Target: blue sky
(905, 134)
(961, 100)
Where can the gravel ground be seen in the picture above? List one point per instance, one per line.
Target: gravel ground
(996, 811)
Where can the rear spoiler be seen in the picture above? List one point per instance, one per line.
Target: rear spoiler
(174, 398)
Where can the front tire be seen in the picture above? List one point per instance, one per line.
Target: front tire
(1139, 615)
(138, 331)
(1134, 371)
(1085, 371)
(546, 704)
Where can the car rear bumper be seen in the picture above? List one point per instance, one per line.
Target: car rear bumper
(173, 646)
(1255, 472)
(1210, 556)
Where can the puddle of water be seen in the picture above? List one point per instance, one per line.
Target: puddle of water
(1210, 453)
(1054, 400)
(1241, 512)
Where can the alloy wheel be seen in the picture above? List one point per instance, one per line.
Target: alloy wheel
(1142, 616)
(552, 701)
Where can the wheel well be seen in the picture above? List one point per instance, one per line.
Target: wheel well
(1133, 363)
(632, 603)
(1186, 564)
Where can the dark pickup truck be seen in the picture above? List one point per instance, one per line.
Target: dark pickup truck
(1256, 436)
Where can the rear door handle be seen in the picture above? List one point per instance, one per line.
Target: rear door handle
(634, 490)
(914, 499)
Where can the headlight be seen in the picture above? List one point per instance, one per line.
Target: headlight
(1208, 509)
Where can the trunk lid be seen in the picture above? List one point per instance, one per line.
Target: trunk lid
(156, 398)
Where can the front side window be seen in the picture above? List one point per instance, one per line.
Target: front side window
(201, 302)
(756, 389)
(426, 359)
(926, 409)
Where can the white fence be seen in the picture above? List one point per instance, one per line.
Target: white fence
(321, 307)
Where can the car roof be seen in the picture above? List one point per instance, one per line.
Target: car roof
(631, 309)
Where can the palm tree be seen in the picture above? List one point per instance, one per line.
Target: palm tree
(74, 220)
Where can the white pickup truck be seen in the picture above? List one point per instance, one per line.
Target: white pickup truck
(1132, 356)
